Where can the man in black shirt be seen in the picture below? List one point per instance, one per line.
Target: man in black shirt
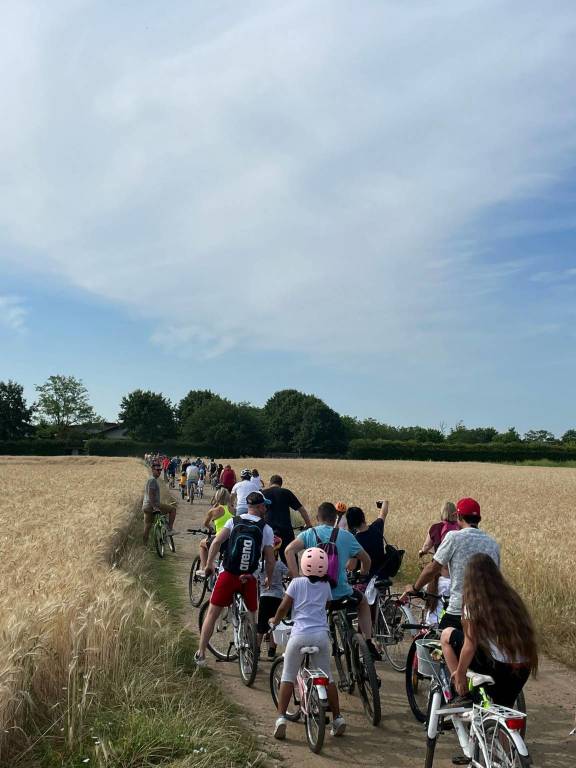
(278, 513)
(371, 537)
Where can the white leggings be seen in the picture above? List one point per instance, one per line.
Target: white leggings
(293, 655)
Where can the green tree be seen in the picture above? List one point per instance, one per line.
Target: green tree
(284, 413)
(510, 436)
(63, 403)
(461, 434)
(539, 436)
(569, 436)
(148, 416)
(15, 416)
(195, 399)
(222, 428)
(321, 431)
(352, 427)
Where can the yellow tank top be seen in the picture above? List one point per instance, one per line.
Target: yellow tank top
(221, 521)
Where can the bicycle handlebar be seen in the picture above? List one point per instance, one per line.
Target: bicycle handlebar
(202, 531)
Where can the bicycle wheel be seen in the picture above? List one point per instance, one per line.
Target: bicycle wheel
(341, 654)
(501, 749)
(159, 539)
(417, 686)
(171, 543)
(367, 679)
(196, 584)
(248, 650)
(315, 720)
(520, 705)
(221, 643)
(293, 712)
(388, 631)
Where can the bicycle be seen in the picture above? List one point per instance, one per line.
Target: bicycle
(354, 663)
(310, 696)
(490, 735)
(198, 584)
(391, 622)
(234, 637)
(160, 533)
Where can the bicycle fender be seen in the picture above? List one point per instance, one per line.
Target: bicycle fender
(514, 735)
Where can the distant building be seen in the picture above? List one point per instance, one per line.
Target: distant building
(105, 430)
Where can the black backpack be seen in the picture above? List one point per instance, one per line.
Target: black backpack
(244, 549)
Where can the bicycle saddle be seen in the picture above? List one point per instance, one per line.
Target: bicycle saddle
(478, 679)
(310, 649)
(383, 583)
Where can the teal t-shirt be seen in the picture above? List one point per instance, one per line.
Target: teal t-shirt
(347, 547)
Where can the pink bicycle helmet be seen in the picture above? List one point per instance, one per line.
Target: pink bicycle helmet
(314, 562)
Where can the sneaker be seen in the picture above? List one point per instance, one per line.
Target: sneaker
(280, 728)
(338, 726)
(460, 760)
(374, 652)
(458, 702)
(271, 651)
(199, 660)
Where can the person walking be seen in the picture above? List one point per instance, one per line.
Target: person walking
(228, 478)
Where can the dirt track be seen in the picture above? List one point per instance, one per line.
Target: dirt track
(398, 741)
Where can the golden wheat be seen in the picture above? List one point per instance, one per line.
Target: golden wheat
(529, 510)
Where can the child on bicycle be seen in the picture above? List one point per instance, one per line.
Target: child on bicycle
(271, 595)
(216, 517)
(306, 598)
(497, 636)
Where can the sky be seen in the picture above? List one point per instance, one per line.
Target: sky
(372, 202)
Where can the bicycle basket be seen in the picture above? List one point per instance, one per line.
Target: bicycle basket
(281, 633)
(430, 659)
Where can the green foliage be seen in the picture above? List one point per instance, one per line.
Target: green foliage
(63, 403)
(226, 429)
(510, 436)
(569, 436)
(461, 434)
(539, 436)
(370, 429)
(448, 451)
(148, 416)
(321, 431)
(38, 447)
(284, 413)
(194, 400)
(15, 416)
(102, 447)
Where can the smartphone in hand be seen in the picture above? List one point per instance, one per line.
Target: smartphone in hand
(379, 504)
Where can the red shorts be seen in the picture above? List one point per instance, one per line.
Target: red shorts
(227, 584)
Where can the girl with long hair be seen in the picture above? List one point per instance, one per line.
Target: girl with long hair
(217, 516)
(498, 636)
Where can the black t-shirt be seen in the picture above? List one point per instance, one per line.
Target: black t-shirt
(278, 513)
(372, 542)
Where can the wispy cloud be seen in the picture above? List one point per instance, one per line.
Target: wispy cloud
(13, 313)
(288, 176)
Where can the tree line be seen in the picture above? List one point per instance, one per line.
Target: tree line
(290, 422)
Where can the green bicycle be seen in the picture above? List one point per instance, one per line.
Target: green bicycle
(160, 534)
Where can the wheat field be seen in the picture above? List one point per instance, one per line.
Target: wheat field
(529, 510)
(84, 648)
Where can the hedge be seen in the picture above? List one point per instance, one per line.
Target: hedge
(38, 447)
(496, 452)
(101, 447)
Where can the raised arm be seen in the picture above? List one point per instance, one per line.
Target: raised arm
(383, 514)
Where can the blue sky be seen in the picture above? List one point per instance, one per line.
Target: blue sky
(371, 202)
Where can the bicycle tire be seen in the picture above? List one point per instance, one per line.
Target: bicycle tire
(430, 749)
(501, 748)
(292, 714)
(248, 650)
(315, 720)
(342, 659)
(417, 686)
(221, 644)
(196, 585)
(171, 543)
(520, 705)
(366, 679)
(391, 616)
(159, 540)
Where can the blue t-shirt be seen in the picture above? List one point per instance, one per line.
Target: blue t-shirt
(347, 547)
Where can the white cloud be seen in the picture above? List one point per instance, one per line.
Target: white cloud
(13, 313)
(291, 175)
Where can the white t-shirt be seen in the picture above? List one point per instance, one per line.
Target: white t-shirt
(309, 606)
(258, 483)
(267, 533)
(242, 489)
(192, 472)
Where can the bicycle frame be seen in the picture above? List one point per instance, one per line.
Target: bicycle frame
(317, 677)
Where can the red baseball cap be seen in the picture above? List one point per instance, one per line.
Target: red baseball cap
(468, 507)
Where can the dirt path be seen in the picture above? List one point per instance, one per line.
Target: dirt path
(398, 741)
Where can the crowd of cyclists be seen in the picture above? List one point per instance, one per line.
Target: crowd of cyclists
(279, 571)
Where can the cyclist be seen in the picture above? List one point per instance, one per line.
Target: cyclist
(165, 467)
(172, 467)
(278, 515)
(498, 636)
(435, 536)
(151, 503)
(231, 579)
(241, 490)
(270, 597)
(455, 552)
(257, 480)
(228, 477)
(306, 598)
(192, 475)
(217, 517)
(348, 548)
(371, 537)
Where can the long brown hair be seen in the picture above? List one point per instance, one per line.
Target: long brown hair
(497, 612)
